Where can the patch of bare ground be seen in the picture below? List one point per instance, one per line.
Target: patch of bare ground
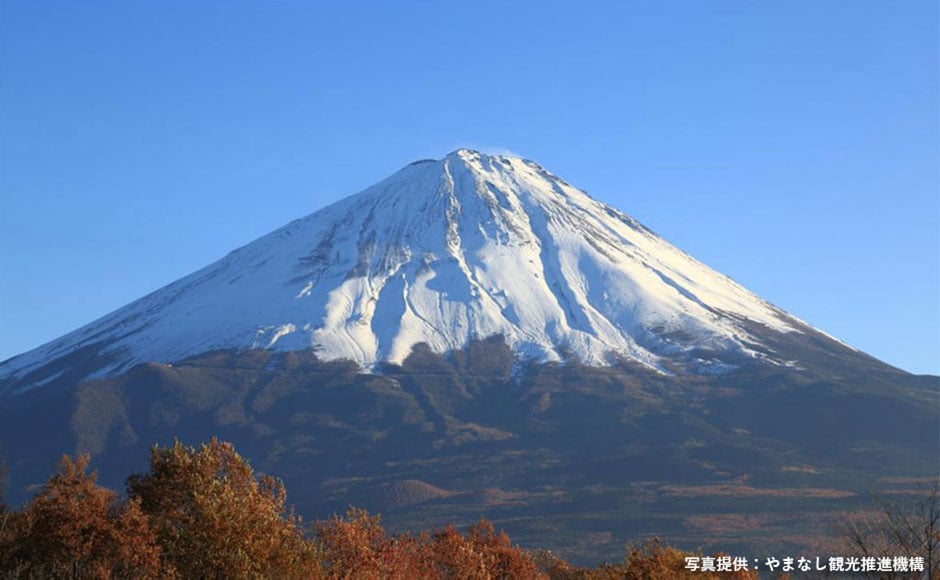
(799, 469)
(905, 491)
(596, 539)
(748, 491)
(907, 480)
(464, 433)
(498, 497)
(412, 492)
(750, 523)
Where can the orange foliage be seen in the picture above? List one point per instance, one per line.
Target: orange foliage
(203, 513)
(481, 553)
(652, 561)
(357, 547)
(74, 527)
(213, 518)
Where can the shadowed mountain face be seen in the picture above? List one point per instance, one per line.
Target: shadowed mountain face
(570, 457)
(475, 336)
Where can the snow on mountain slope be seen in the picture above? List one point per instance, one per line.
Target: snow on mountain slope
(442, 252)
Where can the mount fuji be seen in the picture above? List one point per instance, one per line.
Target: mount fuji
(441, 253)
(473, 335)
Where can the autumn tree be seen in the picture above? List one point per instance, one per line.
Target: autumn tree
(74, 527)
(908, 527)
(356, 546)
(653, 560)
(352, 545)
(481, 553)
(656, 561)
(214, 518)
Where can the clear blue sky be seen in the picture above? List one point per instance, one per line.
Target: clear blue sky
(792, 145)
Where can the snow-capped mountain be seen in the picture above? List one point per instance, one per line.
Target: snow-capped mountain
(489, 261)
(442, 252)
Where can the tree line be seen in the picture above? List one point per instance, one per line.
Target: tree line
(203, 512)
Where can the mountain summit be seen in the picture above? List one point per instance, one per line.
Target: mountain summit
(442, 252)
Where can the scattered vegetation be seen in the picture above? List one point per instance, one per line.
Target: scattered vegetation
(893, 527)
(425, 439)
(203, 512)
